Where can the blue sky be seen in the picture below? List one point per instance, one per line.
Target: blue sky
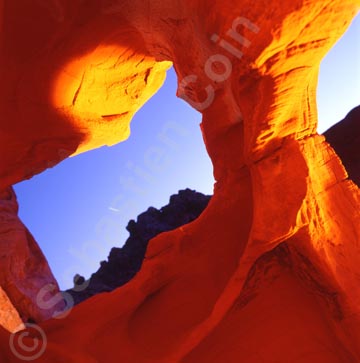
(78, 210)
(339, 80)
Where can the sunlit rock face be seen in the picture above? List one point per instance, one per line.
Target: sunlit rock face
(9, 316)
(270, 270)
(26, 282)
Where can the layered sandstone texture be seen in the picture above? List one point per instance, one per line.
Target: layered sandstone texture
(270, 271)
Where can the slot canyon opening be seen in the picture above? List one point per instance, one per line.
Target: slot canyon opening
(275, 253)
(78, 210)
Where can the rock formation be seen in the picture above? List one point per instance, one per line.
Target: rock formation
(270, 270)
(184, 207)
(123, 263)
(26, 282)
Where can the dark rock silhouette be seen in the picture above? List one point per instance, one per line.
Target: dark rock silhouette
(344, 137)
(123, 263)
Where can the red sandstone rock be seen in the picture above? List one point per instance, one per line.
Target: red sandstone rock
(25, 277)
(270, 271)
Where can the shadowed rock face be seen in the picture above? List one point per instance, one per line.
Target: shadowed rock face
(344, 137)
(26, 281)
(123, 263)
(270, 270)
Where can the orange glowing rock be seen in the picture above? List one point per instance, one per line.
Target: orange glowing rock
(9, 316)
(270, 271)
